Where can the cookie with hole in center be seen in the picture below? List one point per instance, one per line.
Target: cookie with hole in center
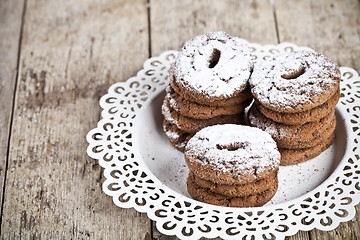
(295, 82)
(232, 154)
(192, 125)
(297, 118)
(237, 190)
(190, 109)
(238, 99)
(252, 200)
(212, 68)
(176, 137)
(295, 156)
(294, 136)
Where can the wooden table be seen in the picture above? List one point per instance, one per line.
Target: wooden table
(57, 58)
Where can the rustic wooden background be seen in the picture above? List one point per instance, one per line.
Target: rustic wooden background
(57, 58)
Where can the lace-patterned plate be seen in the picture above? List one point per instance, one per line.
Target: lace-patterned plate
(144, 171)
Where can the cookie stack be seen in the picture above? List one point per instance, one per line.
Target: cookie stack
(232, 165)
(295, 96)
(208, 86)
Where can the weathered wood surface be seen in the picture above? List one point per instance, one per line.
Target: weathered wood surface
(72, 51)
(330, 27)
(10, 27)
(175, 22)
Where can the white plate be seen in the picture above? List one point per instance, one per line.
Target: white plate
(144, 171)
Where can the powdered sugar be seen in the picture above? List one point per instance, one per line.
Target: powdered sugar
(214, 64)
(166, 112)
(172, 135)
(172, 101)
(269, 128)
(293, 78)
(232, 147)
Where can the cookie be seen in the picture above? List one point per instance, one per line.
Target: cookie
(176, 137)
(295, 156)
(294, 82)
(237, 190)
(212, 67)
(232, 154)
(293, 136)
(317, 140)
(191, 125)
(254, 200)
(194, 110)
(297, 118)
(245, 94)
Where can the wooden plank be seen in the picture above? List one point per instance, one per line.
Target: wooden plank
(186, 19)
(71, 53)
(10, 26)
(333, 28)
(330, 27)
(301, 235)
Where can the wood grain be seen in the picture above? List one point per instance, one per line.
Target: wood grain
(71, 53)
(175, 22)
(330, 27)
(10, 27)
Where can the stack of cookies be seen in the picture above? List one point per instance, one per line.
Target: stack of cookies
(295, 96)
(232, 165)
(208, 86)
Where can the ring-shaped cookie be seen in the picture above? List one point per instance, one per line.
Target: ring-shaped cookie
(213, 67)
(294, 82)
(232, 154)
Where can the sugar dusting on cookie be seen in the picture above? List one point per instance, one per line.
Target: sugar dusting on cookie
(214, 65)
(166, 112)
(172, 135)
(234, 148)
(294, 80)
